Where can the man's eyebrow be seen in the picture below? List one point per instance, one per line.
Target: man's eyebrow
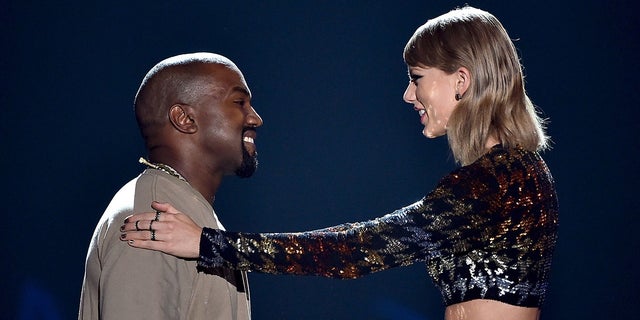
(241, 90)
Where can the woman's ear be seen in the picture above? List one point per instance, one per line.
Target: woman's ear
(463, 81)
(183, 118)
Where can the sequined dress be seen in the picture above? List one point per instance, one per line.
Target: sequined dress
(487, 231)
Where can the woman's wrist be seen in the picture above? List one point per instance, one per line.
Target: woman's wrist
(208, 256)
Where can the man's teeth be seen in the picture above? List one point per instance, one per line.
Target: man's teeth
(247, 139)
(421, 112)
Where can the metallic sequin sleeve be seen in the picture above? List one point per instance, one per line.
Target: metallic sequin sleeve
(486, 231)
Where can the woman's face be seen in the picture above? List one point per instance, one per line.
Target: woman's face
(432, 93)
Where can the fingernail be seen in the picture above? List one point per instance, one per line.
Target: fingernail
(121, 228)
(130, 242)
(126, 220)
(122, 236)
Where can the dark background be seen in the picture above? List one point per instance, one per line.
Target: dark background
(338, 143)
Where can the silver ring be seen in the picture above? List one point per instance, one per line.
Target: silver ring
(153, 235)
(150, 225)
(157, 216)
(137, 228)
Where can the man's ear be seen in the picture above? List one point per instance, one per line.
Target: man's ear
(464, 80)
(182, 118)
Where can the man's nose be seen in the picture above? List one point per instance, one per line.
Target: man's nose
(254, 119)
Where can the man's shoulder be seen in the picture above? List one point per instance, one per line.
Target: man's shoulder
(122, 202)
(136, 195)
(155, 185)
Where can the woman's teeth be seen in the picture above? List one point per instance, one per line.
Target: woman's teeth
(247, 139)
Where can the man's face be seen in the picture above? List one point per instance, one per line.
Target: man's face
(227, 122)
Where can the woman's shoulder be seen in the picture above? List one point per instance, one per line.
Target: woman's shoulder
(494, 167)
(505, 159)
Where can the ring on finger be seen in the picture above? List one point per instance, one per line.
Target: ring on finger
(153, 235)
(151, 225)
(137, 228)
(157, 215)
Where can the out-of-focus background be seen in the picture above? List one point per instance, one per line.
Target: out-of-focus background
(338, 143)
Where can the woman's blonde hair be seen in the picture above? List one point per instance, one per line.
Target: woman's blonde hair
(495, 103)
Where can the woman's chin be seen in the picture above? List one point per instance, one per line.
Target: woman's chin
(432, 134)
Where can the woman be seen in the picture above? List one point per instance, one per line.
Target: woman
(488, 229)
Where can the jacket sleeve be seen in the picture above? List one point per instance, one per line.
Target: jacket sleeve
(453, 218)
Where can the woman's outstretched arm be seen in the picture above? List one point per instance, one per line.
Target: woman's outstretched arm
(451, 219)
(344, 251)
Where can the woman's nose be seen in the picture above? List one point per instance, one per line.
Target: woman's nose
(410, 93)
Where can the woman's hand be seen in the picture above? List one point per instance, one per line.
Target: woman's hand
(166, 230)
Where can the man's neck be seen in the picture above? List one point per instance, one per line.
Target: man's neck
(196, 175)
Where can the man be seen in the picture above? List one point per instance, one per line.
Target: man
(195, 116)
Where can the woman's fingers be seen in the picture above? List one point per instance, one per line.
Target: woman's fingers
(147, 244)
(141, 221)
(139, 224)
(140, 216)
(163, 207)
(166, 230)
(153, 239)
(140, 228)
(147, 235)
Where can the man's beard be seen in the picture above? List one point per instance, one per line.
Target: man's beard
(249, 164)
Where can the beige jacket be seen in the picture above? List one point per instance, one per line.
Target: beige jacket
(122, 282)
